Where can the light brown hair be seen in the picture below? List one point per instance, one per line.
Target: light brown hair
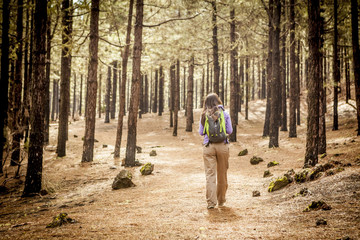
(211, 100)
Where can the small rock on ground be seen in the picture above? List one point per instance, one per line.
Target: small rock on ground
(255, 193)
(153, 153)
(123, 180)
(256, 160)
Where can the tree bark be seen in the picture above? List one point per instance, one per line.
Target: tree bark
(135, 86)
(247, 85)
(123, 83)
(292, 107)
(347, 76)
(81, 91)
(47, 74)
(207, 76)
(298, 83)
(336, 69)
(35, 159)
(276, 81)
(16, 107)
(161, 91)
(283, 75)
(176, 97)
(65, 77)
(74, 98)
(114, 91)
(233, 75)
(190, 90)
(155, 105)
(88, 148)
(107, 96)
(356, 56)
(215, 48)
(202, 88)
(312, 134)
(99, 97)
(171, 93)
(184, 89)
(146, 94)
(266, 130)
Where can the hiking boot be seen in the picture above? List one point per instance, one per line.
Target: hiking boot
(210, 206)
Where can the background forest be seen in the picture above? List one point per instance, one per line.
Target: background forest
(90, 87)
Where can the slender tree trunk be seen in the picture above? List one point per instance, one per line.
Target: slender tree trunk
(35, 160)
(336, 70)
(207, 76)
(176, 97)
(123, 83)
(269, 73)
(81, 90)
(141, 96)
(253, 80)
(312, 135)
(107, 96)
(233, 74)
(190, 90)
(276, 81)
(99, 96)
(283, 75)
(247, 85)
(347, 76)
(215, 49)
(259, 79)
(53, 107)
(356, 56)
(146, 94)
(161, 91)
(202, 88)
(74, 98)
(47, 73)
(114, 91)
(135, 86)
(156, 91)
(65, 77)
(88, 148)
(292, 107)
(57, 102)
(298, 81)
(222, 88)
(240, 86)
(184, 89)
(171, 93)
(16, 108)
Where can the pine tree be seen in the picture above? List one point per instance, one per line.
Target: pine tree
(233, 75)
(190, 93)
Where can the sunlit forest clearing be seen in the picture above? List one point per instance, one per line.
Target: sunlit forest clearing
(100, 109)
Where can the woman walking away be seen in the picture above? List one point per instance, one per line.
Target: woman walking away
(215, 125)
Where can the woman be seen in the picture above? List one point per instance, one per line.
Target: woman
(215, 125)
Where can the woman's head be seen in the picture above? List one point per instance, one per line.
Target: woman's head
(211, 100)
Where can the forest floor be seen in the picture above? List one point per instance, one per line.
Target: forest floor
(170, 203)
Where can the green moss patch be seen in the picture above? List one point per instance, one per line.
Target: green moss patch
(256, 160)
(59, 220)
(278, 184)
(273, 163)
(243, 152)
(317, 205)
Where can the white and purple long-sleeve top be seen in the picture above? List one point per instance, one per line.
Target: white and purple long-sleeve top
(228, 126)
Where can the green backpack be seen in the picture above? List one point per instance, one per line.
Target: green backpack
(215, 127)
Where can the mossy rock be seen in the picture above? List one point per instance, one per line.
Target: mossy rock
(59, 220)
(147, 169)
(273, 163)
(303, 192)
(301, 176)
(256, 160)
(278, 184)
(267, 173)
(123, 180)
(318, 170)
(243, 152)
(317, 205)
(153, 153)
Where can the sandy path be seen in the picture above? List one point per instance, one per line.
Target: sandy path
(170, 203)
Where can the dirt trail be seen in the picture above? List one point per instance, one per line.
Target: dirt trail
(170, 203)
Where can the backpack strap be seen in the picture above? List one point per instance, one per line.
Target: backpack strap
(206, 126)
(222, 122)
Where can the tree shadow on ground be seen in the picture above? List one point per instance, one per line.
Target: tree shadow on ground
(222, 214)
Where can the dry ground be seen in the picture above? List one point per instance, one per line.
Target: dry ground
(170, 203)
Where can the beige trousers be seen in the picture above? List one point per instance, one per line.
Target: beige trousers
(216, 156)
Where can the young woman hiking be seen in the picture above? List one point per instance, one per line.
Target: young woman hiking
(215, 125)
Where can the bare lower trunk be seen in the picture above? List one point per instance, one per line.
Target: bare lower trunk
(176, 97)
(190, 90)
(233, 75)
(161, 91)
(292, 107)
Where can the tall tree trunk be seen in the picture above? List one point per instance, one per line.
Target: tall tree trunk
(184, 89)
(114, 91)
(16, 108)
(240, 86)
(4, 81)
(276, 81)
(53, 107)
(215, 49)
(336, 69)
(202, 88)
(146, 94)
(35, 159)
(266, 130)
(135, 86)
(356, 56)
(99, 96)
(222, 88)
(259, 79)
(74, 98)
(161, 91)
(292, 107)
(47, 74)
(88, 148)
(233, 74)
(247, 85)
(141, 96)
(81, 91)
(207, 76)
(65, 77)
(253, 80)
(171, 93)
(176, 97)
(298, 81)
(190, 90)
(156, 91)
(107, 96)
(283, 74)
(123, 83)
(347, 76)
(322, 97)
(312, 135)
